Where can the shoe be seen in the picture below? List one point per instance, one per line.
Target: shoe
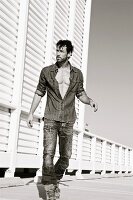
(57, 191)
(50, 192)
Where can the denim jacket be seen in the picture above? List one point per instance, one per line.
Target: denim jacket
(59, 109)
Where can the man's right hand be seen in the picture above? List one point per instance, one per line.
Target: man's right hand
(30, 120)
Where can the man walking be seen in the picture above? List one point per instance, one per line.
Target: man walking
(62, 82)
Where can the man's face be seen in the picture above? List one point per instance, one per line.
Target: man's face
(61, 54)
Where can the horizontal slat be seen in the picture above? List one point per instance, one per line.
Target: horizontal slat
(4, 96)
(29, 131)
(27, 137)
(8, 41)
(7, 9)
(35, 127)
(28, 93)
(36, 33)
(78, 64)
(6, 68)
(65, 3)
(44, 5)
(26, 108)
(36, 61)
(35, 43)
(64, 10)
(78, 27)
(27, 150)
(6, 62)
(34, 19)
(27, 98)
(29, 62)
(8, 27)
(30, 82)
(6, 75)
(3, 140)
(27, 144)
(31, 76)
(60, 29)
(78, 39)
(8, 49)
(8, 34)
(77, 57)
(33, 52)
(4, 132)
(5, 82)
(42, 16)
(78, 47)
(80, 4)
(59, 35)
(29, 87)
(12, 6)
(34, 47)
(86, 147)
(4, 117)
(5, 19)
(3, 147)
(62, 17)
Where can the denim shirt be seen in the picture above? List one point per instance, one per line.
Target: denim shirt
(58, 108)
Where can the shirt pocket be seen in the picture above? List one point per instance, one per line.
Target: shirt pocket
(74, 85)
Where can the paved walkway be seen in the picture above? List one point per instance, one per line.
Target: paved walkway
(71, 189)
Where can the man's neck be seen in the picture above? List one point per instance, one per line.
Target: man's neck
(64, 64)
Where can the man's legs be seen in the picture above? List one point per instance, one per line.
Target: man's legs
(52, 174)
(65, 148)
(48, 172)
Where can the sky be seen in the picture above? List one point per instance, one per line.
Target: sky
(110, 70)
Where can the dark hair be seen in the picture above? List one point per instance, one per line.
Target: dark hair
(67, 43)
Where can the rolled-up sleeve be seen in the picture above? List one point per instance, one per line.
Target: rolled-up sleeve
(41, 87)
(80, 88)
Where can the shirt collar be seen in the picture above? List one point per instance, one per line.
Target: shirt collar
(55, 67)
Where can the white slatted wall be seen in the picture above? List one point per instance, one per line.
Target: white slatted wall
(86, 147)
(78, 33)
(28, 139)
(9, 18)
(98, 154)
(123, 156)
(4, 128)
(108, 153)
(75, 145)
(35, 50)
(78, 37)
(129, 157)
(116, 155)
(61, 23)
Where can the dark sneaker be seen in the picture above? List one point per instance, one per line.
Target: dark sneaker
(57, 191)
(50, 192)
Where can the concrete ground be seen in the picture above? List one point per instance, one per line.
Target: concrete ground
(120, 188)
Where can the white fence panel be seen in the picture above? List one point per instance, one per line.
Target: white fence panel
(86, 148)
(4, 128)
(108, 153)
(61, 23)
(35, 50)
(116, 155)
(9, 18)
(98, 155)
(28, 139)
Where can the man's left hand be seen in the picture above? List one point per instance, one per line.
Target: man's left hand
(94, 105)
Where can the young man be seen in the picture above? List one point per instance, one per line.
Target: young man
(62, 82)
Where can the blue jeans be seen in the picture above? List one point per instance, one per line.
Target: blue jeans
(52, 173)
